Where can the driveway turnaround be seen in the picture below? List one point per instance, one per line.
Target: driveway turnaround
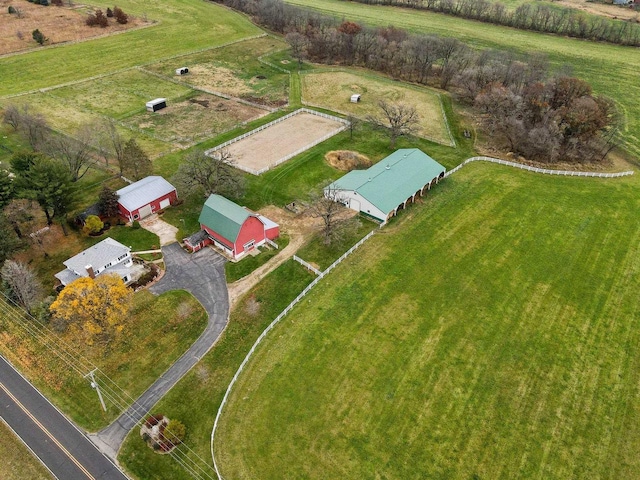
(201, 274)
(67, 453)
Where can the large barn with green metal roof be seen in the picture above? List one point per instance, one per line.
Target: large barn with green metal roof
(389, 185)
(233, 229)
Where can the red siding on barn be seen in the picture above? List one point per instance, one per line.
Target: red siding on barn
(219, 238)
(252, 229)
(155, 205)
(272, 233)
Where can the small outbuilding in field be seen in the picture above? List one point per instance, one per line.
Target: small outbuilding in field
(355, 98)
(182, 71)
(156, 104)
(389, 185)
(146, 196)
(231, 228)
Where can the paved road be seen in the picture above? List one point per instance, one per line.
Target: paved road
(202, 274)
(56, 441)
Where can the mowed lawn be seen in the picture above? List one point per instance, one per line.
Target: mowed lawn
(490, 333)
(612, 70)
(333, 90)
(18, 463)
(183, 26)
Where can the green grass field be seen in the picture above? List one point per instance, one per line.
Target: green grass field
(185, 26)
(489, 333)
(234, 70)
(333, 89)
(18, 463)
(121, 94)
(612, 70)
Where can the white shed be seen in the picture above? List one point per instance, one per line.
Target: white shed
(355, 98)
(182, 71)
(156, 104)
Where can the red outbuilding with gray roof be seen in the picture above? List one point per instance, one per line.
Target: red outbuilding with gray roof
(146, 196)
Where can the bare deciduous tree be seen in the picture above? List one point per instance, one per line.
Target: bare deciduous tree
(110, 142)
(298, 44)
(12, 116)
(34, 127)
(22, 283)
(327, 206)
(399, 119)
(210, 174)
(75, 153)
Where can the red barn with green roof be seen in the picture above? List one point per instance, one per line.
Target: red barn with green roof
(231, 228)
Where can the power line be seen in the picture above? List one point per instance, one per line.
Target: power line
(34, 329)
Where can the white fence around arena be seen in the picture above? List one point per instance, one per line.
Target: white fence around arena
(345, 124)
(568, 173)
(267, 330)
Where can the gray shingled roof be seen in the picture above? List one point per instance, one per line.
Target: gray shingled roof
(97, 256)
(143, 192)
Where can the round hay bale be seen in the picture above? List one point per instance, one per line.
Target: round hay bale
(347, 160)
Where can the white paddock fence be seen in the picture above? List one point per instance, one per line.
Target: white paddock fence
(307, 265)
(344, 123)
(264, 334)
(567, 173)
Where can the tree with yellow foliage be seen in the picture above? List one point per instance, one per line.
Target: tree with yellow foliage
(93, 309)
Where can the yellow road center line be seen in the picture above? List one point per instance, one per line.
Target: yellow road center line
(47, 433)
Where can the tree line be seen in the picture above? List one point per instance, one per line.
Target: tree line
(538, 17)
(523, 107)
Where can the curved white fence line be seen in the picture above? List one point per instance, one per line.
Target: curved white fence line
(264, 334)
(568, 173)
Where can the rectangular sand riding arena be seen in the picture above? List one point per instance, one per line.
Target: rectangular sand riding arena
(278, 141)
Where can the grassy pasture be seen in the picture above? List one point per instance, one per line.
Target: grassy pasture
(158, 331)
(121, 94)
(67, 117)
(18, 463)
(333, 90)
(184, 26)
(234, 70)
(490, 333)
(193, 119)
(612, 70)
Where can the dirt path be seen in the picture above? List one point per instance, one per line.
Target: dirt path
(239, 288)
(299, 227)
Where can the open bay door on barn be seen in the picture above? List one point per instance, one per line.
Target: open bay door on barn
(145, 211)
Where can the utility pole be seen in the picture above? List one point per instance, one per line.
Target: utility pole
(95, 386)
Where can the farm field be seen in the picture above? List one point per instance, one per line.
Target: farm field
(67, 24)
(504, 345)
(192, 120)
(121, 94)
(18, 463)
(234, 70)
(588, 60)
(333, 89)
(185, 26)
